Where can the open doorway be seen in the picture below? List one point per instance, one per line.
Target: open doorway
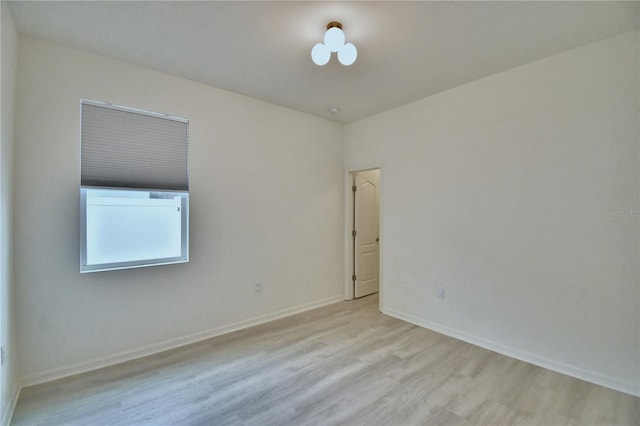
(364, 233)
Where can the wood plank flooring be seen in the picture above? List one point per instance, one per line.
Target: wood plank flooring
(343, 364)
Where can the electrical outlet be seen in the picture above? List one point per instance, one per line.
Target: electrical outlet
(258, 288)
(3, 355)
(441, 292)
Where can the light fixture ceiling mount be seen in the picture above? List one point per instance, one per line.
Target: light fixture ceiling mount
(334, 41)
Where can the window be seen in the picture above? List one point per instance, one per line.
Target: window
(134, 189)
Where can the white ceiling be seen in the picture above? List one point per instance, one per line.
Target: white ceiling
(407, 50)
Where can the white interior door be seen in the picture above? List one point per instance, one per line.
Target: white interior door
(367, 227)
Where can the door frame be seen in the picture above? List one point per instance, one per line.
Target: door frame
(350, 170)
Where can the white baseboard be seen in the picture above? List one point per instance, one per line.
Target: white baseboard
(625, 386)
(11, 406)
(70, 370)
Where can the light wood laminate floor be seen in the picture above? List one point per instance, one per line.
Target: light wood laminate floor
(343, 364)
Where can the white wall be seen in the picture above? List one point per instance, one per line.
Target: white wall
(506, 191)
(266, 205)
(8, 374)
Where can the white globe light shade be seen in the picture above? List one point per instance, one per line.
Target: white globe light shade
(320, 54)
(347, 54)
(334, 39)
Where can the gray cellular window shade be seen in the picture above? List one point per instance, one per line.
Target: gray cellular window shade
(128, 148)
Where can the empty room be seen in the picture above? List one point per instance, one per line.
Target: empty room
(320, 213)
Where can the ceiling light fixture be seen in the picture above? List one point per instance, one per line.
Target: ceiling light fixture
(334, 42)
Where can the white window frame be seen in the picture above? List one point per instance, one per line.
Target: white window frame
(131, 188)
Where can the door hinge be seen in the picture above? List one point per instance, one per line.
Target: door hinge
(353, 188)
(353, 277)
(354, 233)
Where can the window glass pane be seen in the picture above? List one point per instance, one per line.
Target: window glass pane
(127, 228)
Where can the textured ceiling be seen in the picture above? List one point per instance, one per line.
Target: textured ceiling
(407, 50)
